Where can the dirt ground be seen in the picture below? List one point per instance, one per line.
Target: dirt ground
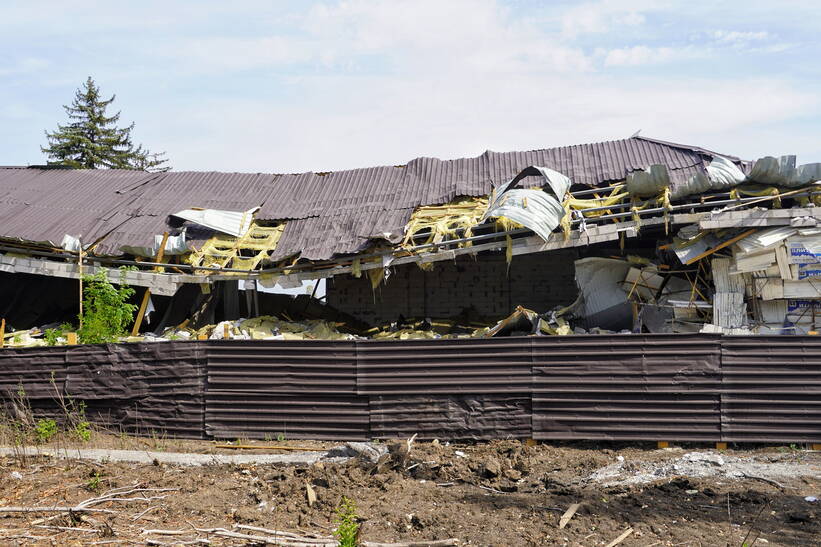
(500, 493)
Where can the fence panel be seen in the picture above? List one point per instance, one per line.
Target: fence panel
(627, 387)
(771, 389)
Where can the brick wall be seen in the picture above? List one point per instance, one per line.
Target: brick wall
(537, 281)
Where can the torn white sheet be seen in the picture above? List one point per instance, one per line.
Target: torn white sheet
(235, 223)
(176, 245)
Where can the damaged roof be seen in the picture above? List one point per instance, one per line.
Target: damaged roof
(326, 214)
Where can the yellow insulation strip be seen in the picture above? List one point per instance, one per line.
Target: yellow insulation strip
(442, 222)
(747, 191)
(244, 253)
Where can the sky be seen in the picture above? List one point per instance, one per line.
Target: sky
(299, 86)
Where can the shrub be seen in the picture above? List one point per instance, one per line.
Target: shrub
(106, 310)
(45, 429)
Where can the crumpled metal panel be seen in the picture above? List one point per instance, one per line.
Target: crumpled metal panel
(627, 387)
(534, 209)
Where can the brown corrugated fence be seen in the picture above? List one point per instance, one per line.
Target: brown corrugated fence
(696, 387)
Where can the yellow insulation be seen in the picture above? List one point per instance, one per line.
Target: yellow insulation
(244, 253)
(441, 222)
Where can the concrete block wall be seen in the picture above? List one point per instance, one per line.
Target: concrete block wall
(538, 281)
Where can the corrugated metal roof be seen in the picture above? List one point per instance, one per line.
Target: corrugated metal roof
(328, 214)
(319, 238)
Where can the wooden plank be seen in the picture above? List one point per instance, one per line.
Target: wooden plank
(721, 245)
(568, 515)
(621, 538)
(2, 331)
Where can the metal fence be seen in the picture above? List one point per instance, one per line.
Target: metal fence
(704, 388)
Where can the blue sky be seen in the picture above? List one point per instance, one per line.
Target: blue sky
(300, 86)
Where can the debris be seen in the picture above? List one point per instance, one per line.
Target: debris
(311, 495)
(621, 538)
(568, 514)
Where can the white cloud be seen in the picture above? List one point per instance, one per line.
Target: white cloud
(735, 36)
(351, 84)
(639, 55)
(605, 16)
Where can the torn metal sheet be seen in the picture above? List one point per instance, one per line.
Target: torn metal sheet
(605, 303)
(234, 223)
(534, 209)
(783, 171)
(648, 182)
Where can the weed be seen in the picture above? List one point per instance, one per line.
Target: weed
(93, 483)
(267, 438)
(280, 437)
(52, 336)
(82, 430)
(45, 429)
(347, 523)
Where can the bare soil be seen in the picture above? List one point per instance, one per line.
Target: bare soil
(500, 493)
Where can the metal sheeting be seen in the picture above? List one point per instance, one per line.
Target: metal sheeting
(312, 194)
(301, 416)
(129, 208)
(320, 238)
(300, 389)
(626, 387)
(771, 388)
(603, 162)
(44, 205)
(462, 417)
(282, 366)
(686, 387)
(31, 370)
(423, 367)
(137, 388)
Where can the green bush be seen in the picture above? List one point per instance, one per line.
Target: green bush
(45, 430)
(106, 310)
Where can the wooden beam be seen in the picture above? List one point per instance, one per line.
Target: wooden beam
(135, 330)
(721, 245)
(2, 331)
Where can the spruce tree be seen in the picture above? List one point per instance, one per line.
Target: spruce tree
(92, 140)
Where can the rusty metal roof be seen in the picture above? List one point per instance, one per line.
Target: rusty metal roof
(327, 214)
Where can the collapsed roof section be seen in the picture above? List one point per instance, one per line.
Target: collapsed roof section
(313, 225)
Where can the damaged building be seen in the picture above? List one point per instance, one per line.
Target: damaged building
(625, 290)
(635, 235)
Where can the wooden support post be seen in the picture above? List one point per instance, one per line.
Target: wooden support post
(816, 446)
(531, 442)
(721, 446)
(2, 332)
(71, 338)
(135, 330)
(226, 331)
(663, 444)
(80, 274)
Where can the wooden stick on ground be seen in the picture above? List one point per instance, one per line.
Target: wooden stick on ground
(620, 538)
(568, 515)
(52, 509)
